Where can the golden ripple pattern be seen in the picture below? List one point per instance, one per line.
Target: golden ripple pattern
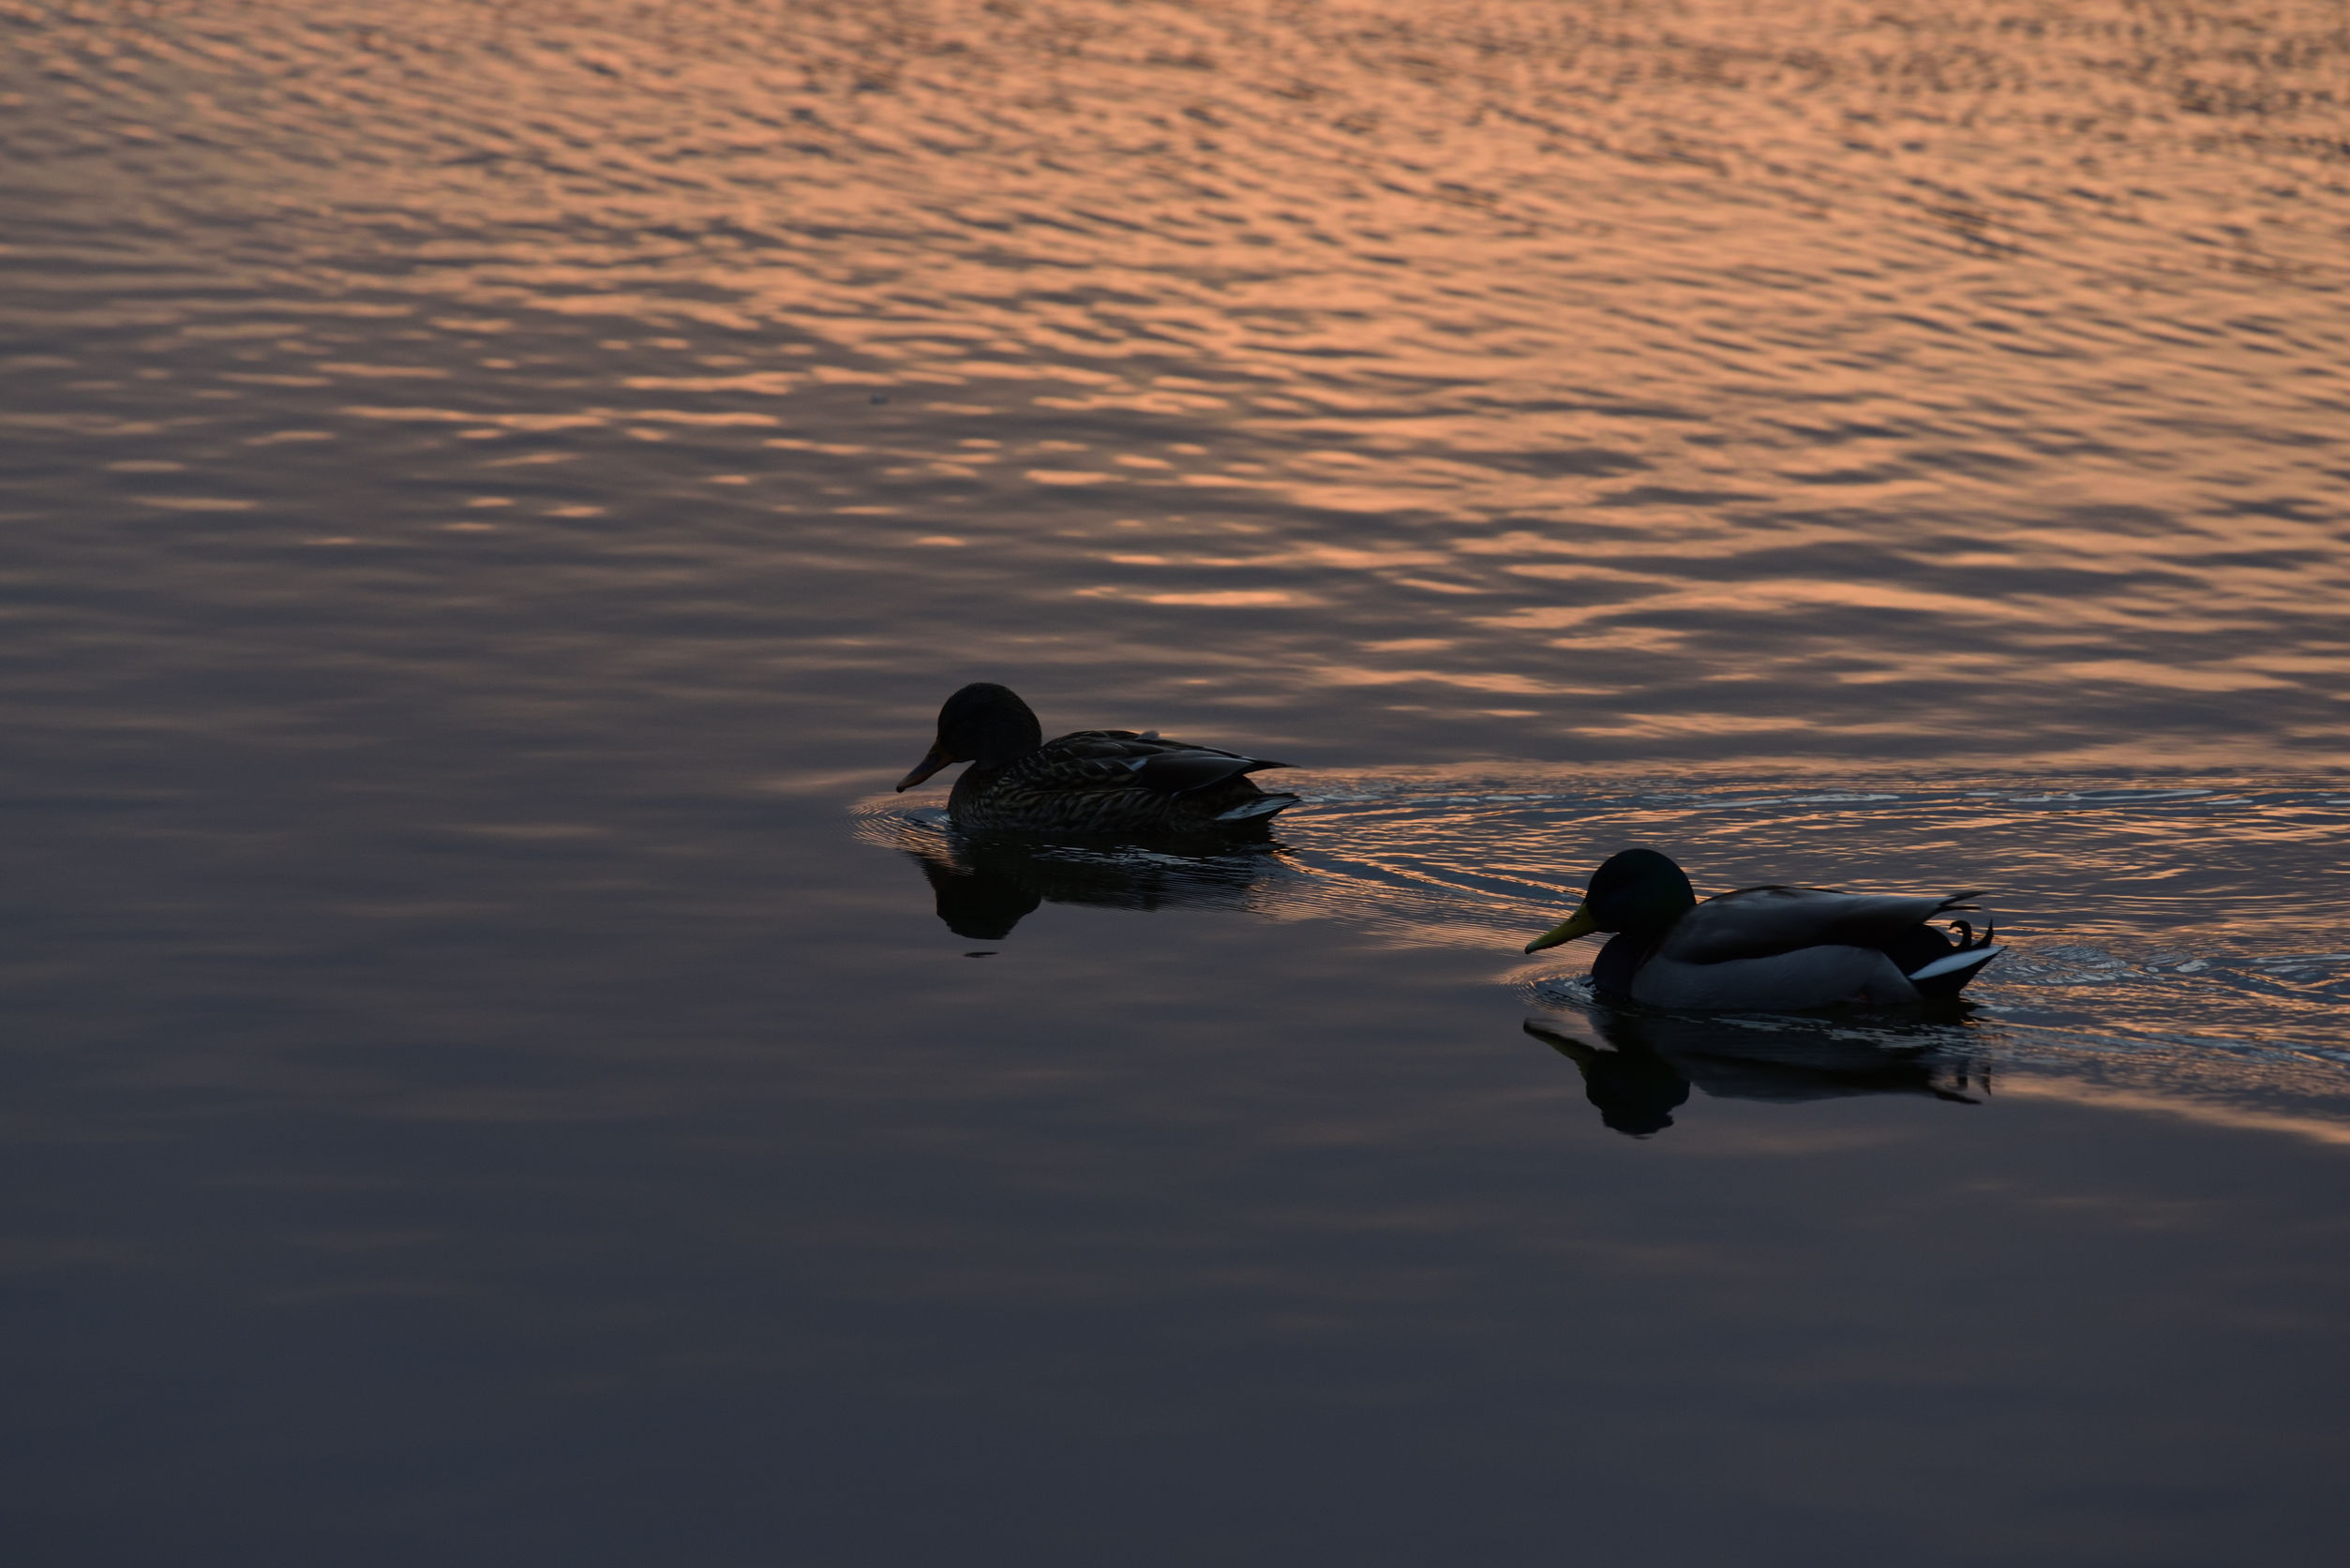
(1952, 380)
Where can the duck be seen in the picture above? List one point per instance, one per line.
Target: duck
(1090, 781)
(1772, 947)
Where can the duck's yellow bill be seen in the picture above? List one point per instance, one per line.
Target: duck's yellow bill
(1578, 924)
(933, 760)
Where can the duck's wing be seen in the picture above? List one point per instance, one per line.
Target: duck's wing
(1764, 922)
(1101, 758)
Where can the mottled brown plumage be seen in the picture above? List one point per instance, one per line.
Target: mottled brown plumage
(1093, 780)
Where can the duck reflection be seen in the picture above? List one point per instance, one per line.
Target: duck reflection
(1650, 1061)
(987, 884)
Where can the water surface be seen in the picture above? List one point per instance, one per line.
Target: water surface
(494, 493)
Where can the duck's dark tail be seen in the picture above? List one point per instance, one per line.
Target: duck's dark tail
(1941, 965)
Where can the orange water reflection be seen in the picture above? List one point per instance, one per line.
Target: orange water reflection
(1997, 351)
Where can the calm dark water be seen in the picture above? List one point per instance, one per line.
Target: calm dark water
(494, 493)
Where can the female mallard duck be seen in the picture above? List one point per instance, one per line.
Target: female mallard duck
(1095, 781)
(1768, 947)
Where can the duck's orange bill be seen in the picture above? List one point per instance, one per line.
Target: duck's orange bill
(933, 760)
(1578, 924)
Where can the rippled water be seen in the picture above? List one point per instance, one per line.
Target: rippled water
(1571, 381)
(491, 493)
(2164, 939)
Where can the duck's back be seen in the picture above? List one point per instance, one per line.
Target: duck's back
(1102, 781)
(1764, 922)
(1780, 947)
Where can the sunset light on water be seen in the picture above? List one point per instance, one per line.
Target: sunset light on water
(497, 492)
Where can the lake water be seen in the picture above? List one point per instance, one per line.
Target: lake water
(494, 493)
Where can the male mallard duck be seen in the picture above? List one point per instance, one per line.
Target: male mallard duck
(1095, 781)
(1770, 947)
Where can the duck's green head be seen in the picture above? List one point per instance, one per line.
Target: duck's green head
(1638, 891)
(982, 723)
